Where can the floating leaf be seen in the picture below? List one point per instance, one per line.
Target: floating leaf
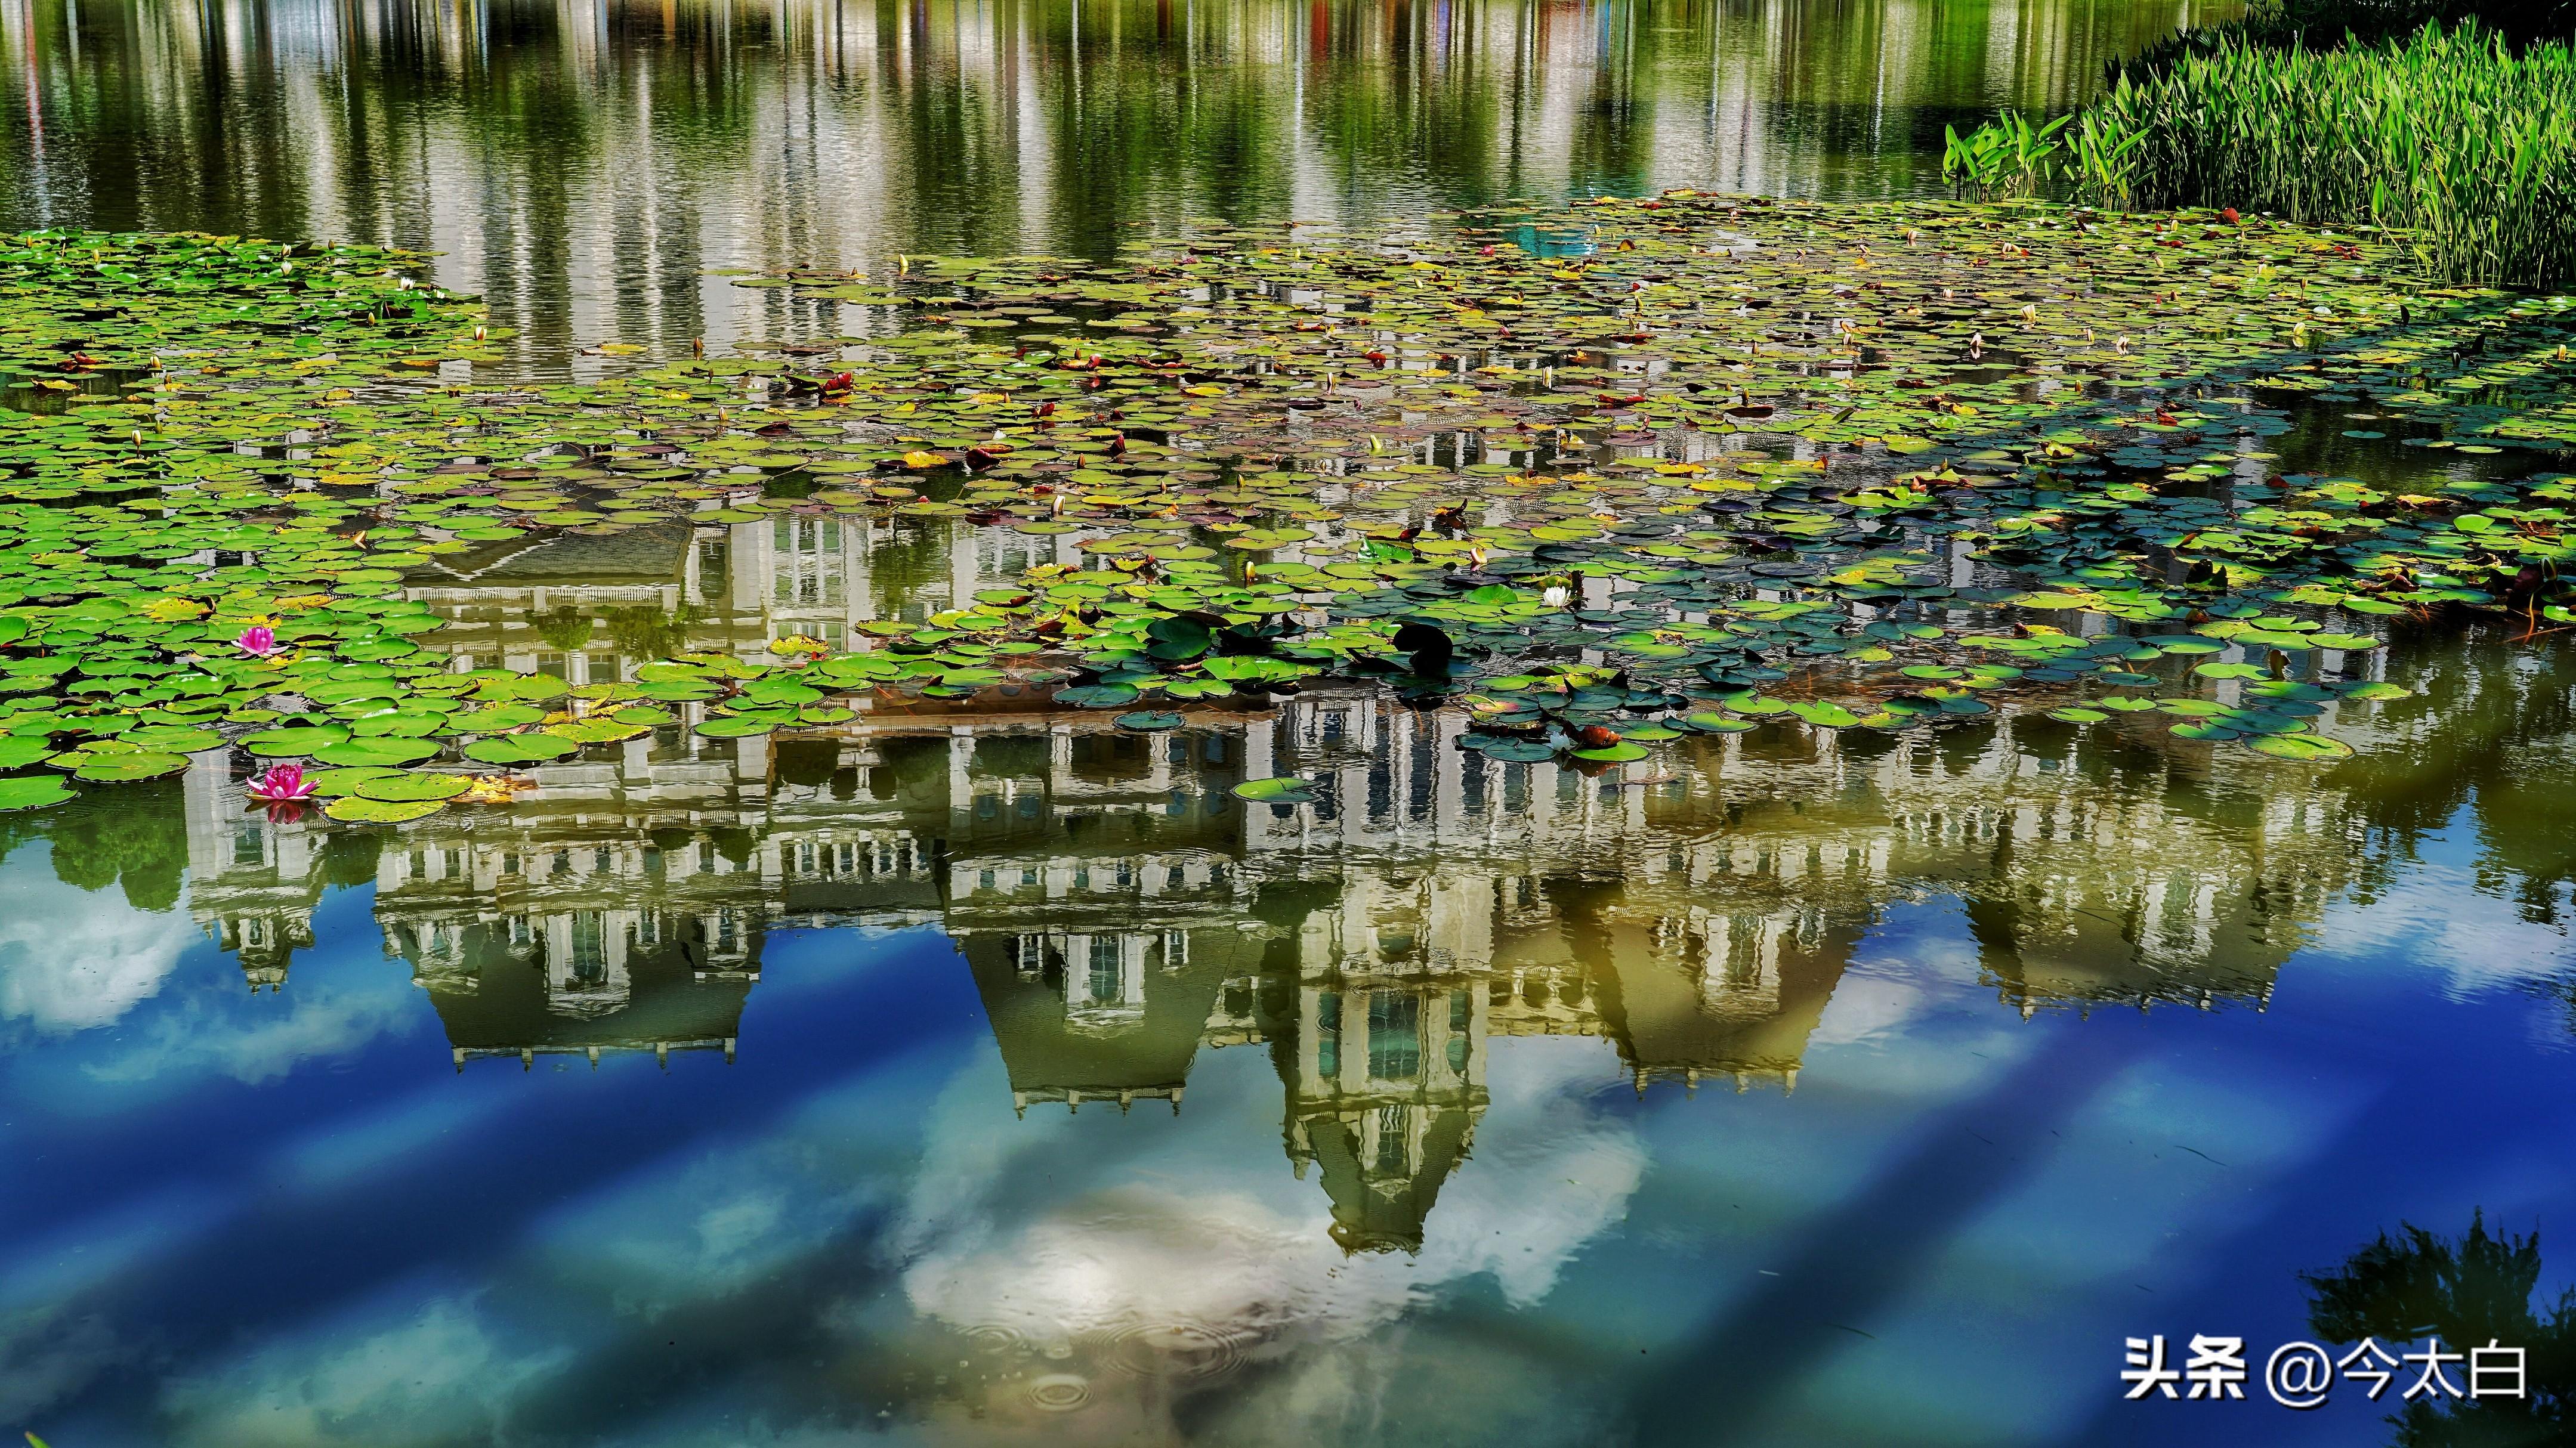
(1287, 789)
(118, 768)
(519, 749)
(2301, 746)
(399, 788)
(1620, 753)
(382, 753)
(330, 783)
(32, 791)
(1097, 696)
(298, 742)
(1511, 751)
(356, 809)
(1825, 713)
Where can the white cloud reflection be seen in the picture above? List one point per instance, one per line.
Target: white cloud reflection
(1010, 1232)
(390, 1376)
(74, 959)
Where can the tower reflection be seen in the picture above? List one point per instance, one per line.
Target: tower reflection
(1121, 911)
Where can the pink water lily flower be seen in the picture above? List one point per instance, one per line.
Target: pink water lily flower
(258, 641)
(282, 784)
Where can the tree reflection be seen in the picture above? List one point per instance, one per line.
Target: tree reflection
(582, 164)
(136, 838)
(2468, 1291)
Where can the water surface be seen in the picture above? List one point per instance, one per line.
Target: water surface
(585, 163)
(995, 1076)
(992, 1075)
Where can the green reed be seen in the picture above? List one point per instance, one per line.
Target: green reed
(2451, 136)
(2326, 24)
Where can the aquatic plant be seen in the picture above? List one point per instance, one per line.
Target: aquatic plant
(2326, 24)
(258, 641)
(1708, 465)
(2467, 145)
(2007, 156)
(281, 784)
(2452, 137)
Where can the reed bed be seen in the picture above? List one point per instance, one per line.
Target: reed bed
(2327, 24)
(2453, 136)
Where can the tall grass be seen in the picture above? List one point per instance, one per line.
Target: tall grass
(2467, 145)
(2327, 24)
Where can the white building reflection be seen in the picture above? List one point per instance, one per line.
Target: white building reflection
(1121, 911)
(588, 165)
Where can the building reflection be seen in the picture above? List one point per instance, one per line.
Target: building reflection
(1121, 911)
(584, 164)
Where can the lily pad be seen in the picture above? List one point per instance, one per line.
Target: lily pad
(383, 753)
(1620, 753)
(2310, 747)
(119, 768)
(298, 742)
(403, 788)
(1097, 696)
(520, 749)
(32, 791)
(357, 809)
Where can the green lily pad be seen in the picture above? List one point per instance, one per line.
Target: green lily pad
(119, 768)
(405, 788)
(32, 791)
(331, 783)
(520, 749)
(1097, 696)
(384, 753)
(2309, 747)
(357, 809)
(298, 742)
(1513, 751)
(1620, 753)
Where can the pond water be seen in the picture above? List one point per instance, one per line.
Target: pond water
(1001, 1079)
(981, 1071)
(584, 164)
